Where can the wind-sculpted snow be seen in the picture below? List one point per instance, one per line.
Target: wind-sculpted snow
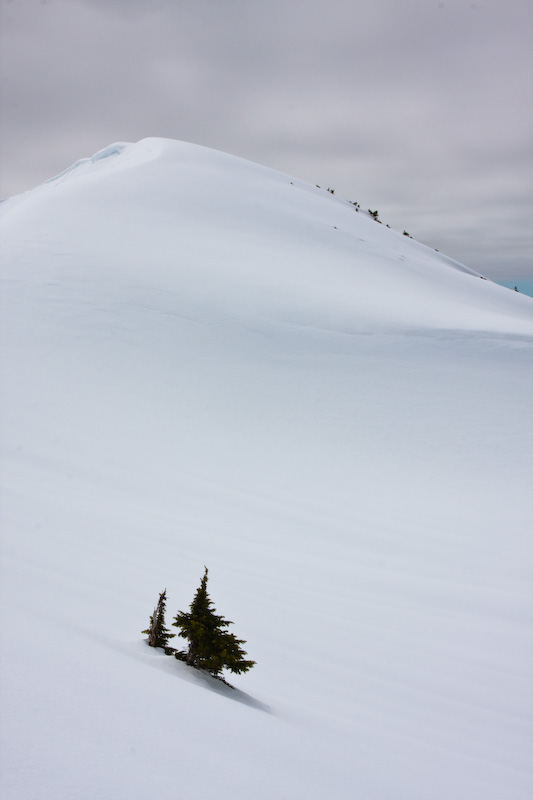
(206, 362)
(111, 150)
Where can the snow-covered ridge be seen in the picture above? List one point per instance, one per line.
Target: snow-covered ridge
(249, 240)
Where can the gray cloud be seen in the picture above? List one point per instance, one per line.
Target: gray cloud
(421, 109)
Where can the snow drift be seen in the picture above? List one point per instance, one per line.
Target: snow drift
(208, 362)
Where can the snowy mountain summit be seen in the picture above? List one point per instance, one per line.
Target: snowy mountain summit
(220, 232)
(207, 362)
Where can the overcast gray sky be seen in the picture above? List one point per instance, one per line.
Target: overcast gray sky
(419, 108)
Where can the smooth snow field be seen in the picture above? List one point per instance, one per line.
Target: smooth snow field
(206, 362)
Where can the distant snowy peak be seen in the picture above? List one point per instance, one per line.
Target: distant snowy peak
(219, 235)
(172, 151)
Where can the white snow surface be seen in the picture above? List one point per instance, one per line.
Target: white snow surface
(204, 361)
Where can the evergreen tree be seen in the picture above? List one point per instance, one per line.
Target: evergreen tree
(210, 646)
(158, 634)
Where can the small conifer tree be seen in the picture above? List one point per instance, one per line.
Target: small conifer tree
(158, 634)
(210, 646)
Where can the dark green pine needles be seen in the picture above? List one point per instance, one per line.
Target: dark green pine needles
(158, 635)
(210, 646)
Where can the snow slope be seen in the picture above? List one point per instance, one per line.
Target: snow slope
(204, 361)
